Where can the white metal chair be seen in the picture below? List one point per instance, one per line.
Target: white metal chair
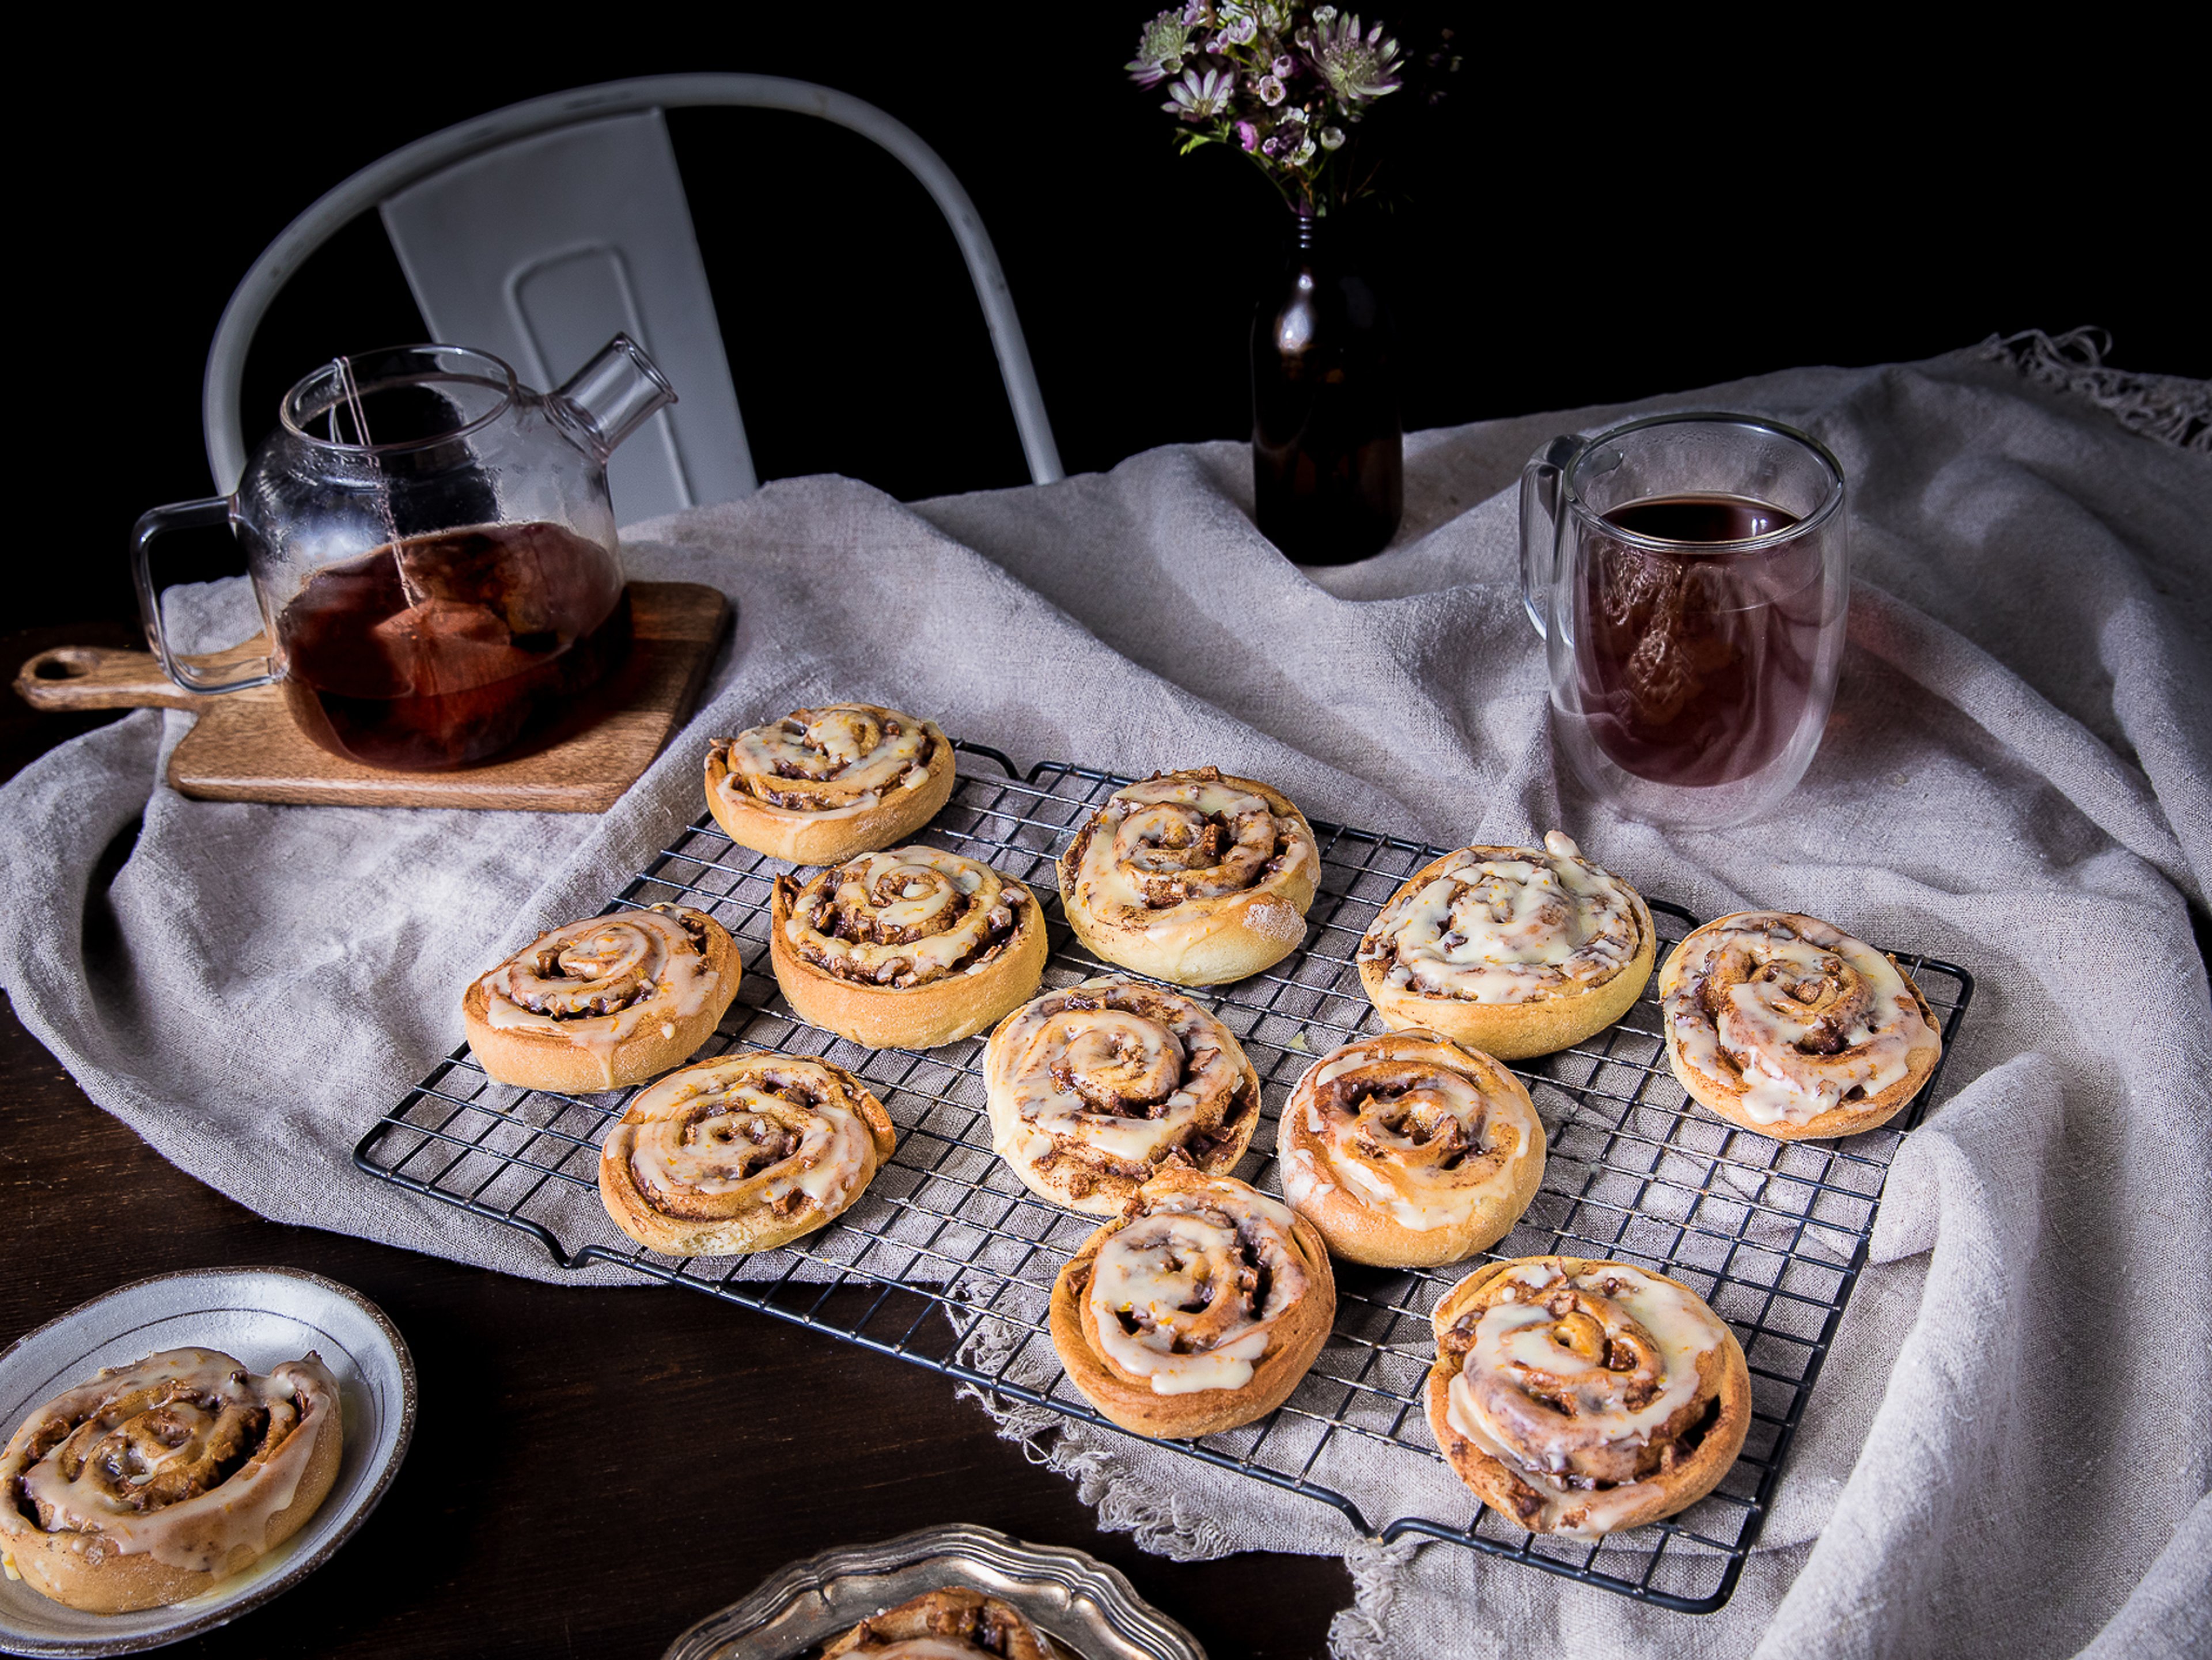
(538, 230)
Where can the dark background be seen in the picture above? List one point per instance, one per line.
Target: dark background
(1598, 214)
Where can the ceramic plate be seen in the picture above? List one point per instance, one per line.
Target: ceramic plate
(1088, 1609)
(263, 1317)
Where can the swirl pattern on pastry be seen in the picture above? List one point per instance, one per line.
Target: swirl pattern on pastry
(955, 1623)
(151, 1482)
(607, 1001)
(1515, 951)
(1200, 1308)
(822, 784)
(742, 1154)
(1405, 1150)
(1193, 877)
(1092, 1087)
(1583, 1397)
(1789, 1026)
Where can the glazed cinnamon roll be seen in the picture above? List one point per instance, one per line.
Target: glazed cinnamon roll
(1199, 1309)
(1582, 1397)
(742, 1154)
(1406, 1151)
(953, 1624)
(822, 785)
(905, 949)
(1512, 951)
(604, 1002)
(1787, 1025)
(1091, 1088)
(155, 1482)
(1193, 877)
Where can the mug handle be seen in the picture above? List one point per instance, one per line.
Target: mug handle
(178, 515)
(1540, 526)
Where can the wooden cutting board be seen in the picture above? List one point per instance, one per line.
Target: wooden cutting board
(244, 747)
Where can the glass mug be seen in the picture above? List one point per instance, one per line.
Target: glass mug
(432, 548)
(1690, 577)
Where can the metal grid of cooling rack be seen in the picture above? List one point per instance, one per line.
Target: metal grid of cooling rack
(947, 1260)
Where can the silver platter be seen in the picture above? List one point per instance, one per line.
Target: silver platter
(1087, 1608)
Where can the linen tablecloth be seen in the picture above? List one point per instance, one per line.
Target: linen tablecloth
(2009, 1450)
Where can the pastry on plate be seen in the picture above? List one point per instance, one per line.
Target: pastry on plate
(1407, 1150)
(604, 1002)
(742, 1154)
(1091, 1088)
(1193, 877)
(1512, 951)
(953, 1624)
(1787, 1025)
(1582, 1397)
(906, 948)
(1196, 1309)
(152, 1483)
(822, 785)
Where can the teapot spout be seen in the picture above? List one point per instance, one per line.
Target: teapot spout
(612, 396)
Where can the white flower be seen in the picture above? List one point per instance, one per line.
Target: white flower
(1357, 68)
(1324, 15)
(1331, 138)
(1294, 114)
(1241, 30)
(1271, 89)
(1303, 154)
(1193, 99)
(1282, 66)
(1160, 48)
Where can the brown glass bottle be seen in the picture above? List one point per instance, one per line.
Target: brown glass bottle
(1328, 468)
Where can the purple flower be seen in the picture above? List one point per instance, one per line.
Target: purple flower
(1271, 90)
(1248, 137)
(1160, 48)
(1192, 99)
(1357, 68)
(1283, 65)
(1240, 30)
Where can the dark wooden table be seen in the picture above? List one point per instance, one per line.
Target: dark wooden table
(592, 1470)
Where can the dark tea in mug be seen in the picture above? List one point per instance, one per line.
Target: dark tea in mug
(1697, 660)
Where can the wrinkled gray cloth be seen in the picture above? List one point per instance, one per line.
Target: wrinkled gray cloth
(2008, 1450)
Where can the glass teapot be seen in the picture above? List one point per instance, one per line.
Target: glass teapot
(432, 548)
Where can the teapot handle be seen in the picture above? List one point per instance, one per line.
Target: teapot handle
(178, 515)
(1540, 526)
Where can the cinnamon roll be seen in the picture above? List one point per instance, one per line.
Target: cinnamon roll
(953, 1624)
(905, 949)
(1090, 1089)
(1406, 1151)
(604, 1002)
(1199, 1309)
(155, 1482)
(742, 1154)
(1512, 951)
(822, 785)
(1582, 1397)
(1787, 1025)
(1193, 877)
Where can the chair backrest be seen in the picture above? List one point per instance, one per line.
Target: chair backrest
(537, 231)
(538, 251)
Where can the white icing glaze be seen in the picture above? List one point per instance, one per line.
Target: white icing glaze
(1413, 1130)
(1786, 986)
(1132, 1076)
(166, 1421)
(643, 963)
(953, 906)
(1174, 1270)
(1525, 1356)
(1507, 926)
(829, 762)
(755, 1128)
(1145, 861)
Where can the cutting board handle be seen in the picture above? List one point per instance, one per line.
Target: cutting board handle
(101, 678)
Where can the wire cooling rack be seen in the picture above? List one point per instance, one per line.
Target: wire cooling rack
(947, 1260)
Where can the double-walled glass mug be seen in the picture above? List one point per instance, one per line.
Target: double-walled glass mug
(432, 548)
(1690, 577)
